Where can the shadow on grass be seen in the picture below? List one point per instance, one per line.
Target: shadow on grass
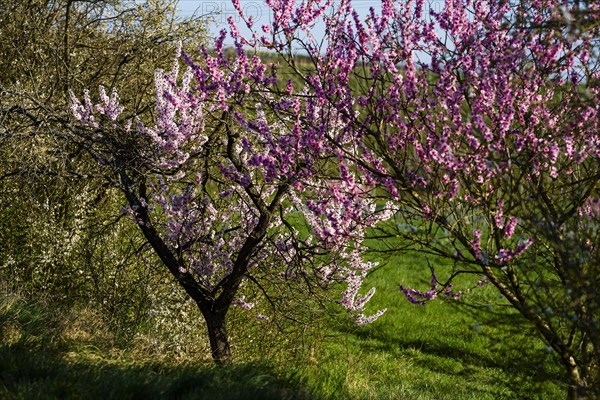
(37, 361)
(507, 352)
(41, 374)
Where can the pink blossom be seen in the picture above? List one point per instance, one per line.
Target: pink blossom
(509, 230)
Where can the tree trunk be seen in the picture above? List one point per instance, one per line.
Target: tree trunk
(579, 389)
(217, 334)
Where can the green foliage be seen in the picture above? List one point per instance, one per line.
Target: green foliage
(62, 231)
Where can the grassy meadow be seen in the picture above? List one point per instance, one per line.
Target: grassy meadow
(474, 349)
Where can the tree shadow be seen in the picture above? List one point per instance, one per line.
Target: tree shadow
(527, 370)
(37, 362)
(40, 374)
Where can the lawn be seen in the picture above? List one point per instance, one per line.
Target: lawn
(477, 348)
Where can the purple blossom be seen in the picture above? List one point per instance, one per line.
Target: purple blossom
(420, 298)
(476, 244)
(509, 230)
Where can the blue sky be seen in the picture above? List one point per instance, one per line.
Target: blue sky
(256, 8)
(220, 10)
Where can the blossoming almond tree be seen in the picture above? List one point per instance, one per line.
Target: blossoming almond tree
(212, 182)
(481, 121)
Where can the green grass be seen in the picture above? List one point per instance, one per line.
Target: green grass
(43, 375)
(478, 349)
(42, 358)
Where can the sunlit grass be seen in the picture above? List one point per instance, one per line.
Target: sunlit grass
(477, 349)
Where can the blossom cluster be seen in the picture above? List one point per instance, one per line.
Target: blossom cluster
(456, 114)
(226, 176)
(461, 108)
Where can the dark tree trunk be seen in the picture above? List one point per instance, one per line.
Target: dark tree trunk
(217, 334)
(214, 309)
